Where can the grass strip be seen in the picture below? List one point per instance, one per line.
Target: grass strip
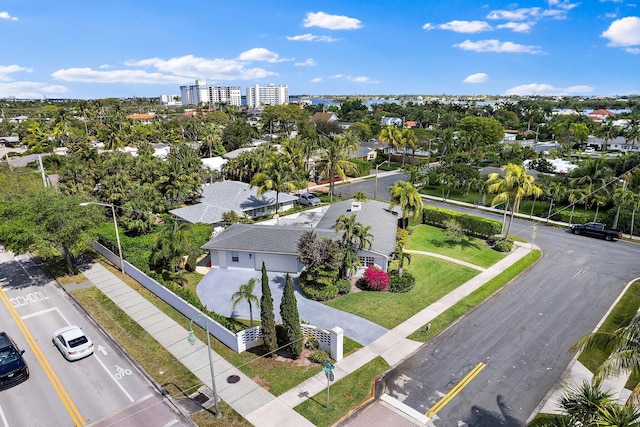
(474, 299)
(345, 394)
(621, 315)
(165, 369)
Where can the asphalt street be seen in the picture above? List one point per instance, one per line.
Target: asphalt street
(523, 334)
(60, 392)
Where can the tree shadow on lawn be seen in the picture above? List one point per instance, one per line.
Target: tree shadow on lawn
(464, 245)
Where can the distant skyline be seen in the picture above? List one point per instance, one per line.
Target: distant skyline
(74, 49)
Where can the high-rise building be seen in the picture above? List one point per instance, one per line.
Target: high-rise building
(201, 93)
(258, 96)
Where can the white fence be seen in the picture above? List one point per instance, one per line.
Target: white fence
(330, 341)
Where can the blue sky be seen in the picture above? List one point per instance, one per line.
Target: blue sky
(113, 48)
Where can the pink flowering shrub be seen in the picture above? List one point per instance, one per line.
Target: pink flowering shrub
(376, 279)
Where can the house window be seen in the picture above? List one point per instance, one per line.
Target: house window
(235, 257)
(366, 261)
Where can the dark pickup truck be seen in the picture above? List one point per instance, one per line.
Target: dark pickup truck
(596, 229)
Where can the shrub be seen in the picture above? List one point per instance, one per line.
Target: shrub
(403, 283)
(344, 286)
(473, 225)
(376, 279)
(503, 246)
(363, 167)
(319, 356)
(312, 343)
(455, 233)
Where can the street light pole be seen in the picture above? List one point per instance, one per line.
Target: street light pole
(115, 225)
(192, 339)
(375, 186)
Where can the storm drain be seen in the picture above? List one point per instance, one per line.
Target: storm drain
(201, 398)
(232, 379)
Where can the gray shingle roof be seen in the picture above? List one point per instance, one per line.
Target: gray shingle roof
(262, 238)
(225, 196)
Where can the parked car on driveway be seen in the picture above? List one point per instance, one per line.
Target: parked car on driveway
(596, 229)
(13, 368)
(308, 199)
(72, 342)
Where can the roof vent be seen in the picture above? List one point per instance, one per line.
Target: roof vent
(356, 206)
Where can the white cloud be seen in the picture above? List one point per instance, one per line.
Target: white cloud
(331, 22)
(316, 80)
(6, 70)
(466, 26)
(198, 67)
(633, 50)
(515, 15)
(477, 78)
(563, 4)
(517, 27)
(6, 15)
(355, 79)
(105, 66)
(28, 90)
(116, 76)
(312, 38)
(546, 89)
(428, 26)
(497, 46)
(337, 76)
(308, 63)
(623, 32)
(260, 54)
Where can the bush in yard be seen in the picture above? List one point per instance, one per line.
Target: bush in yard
(311, 342)
(455, 233)
(344, 286)
(376, 279)
(319, 356)
(500, 244)
(473, 225)
(403, 283)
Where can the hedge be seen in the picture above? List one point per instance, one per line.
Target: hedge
(472, 225)
(363, 167)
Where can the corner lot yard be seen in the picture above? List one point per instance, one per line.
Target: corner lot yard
(434, 277)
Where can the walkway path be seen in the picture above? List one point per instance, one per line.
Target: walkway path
(448, 258)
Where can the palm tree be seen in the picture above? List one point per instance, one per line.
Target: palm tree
(245, 293)
(392, 136)
(624, 348)
(409, 139)
(556, 191)
(577, 195)
(407, 197)
(515, 185)
(355, 238)
(635, 204)
(211, 135)
(401, 256)
(335, 157)
(172, 247)
(275, 175)
(632, 131)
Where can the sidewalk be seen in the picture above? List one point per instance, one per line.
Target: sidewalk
(257, 405)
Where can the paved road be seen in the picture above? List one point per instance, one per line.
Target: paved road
(89, 390)
(523, 333)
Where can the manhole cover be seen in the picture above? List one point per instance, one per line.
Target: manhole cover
(201, 398)
(232, 379)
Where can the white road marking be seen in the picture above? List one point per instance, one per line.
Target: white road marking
(38, 313)
(113, 378)
(3, 418)
(577, 274)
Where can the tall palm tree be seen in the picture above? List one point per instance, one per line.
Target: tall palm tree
(275, 175)
(556, 191)
(409, 139)
(211, 134)
(401, 256)
(355, 237)
(621, 196)
(407, 197)
(245, 293)
(172, 247)
(392, 136)
(515, 185)
(335, 157)
(576, 196)
(632, 131)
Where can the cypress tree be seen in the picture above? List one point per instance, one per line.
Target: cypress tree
(291, 319)
(266, 314)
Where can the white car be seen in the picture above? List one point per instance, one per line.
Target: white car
(72, 342)
(308, 199)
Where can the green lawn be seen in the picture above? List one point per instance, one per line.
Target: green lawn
(344, 395)
(434, 279)
(434, 239)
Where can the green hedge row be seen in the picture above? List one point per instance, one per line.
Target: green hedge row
(472, 225)
(363, 167)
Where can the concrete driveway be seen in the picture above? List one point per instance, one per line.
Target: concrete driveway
(216, 288)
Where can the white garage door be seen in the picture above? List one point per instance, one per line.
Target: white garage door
(277, 263)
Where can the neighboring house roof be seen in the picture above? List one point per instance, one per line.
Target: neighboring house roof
(363, 152)
(225, 196)
(410, 123)
(324, 117)
(140, 116)
(390, 121)
(214, 163)
(236, 153)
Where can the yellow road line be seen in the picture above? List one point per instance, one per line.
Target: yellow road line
(455, 390)
(48, 370)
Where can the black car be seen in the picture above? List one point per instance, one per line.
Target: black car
(13, 368)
